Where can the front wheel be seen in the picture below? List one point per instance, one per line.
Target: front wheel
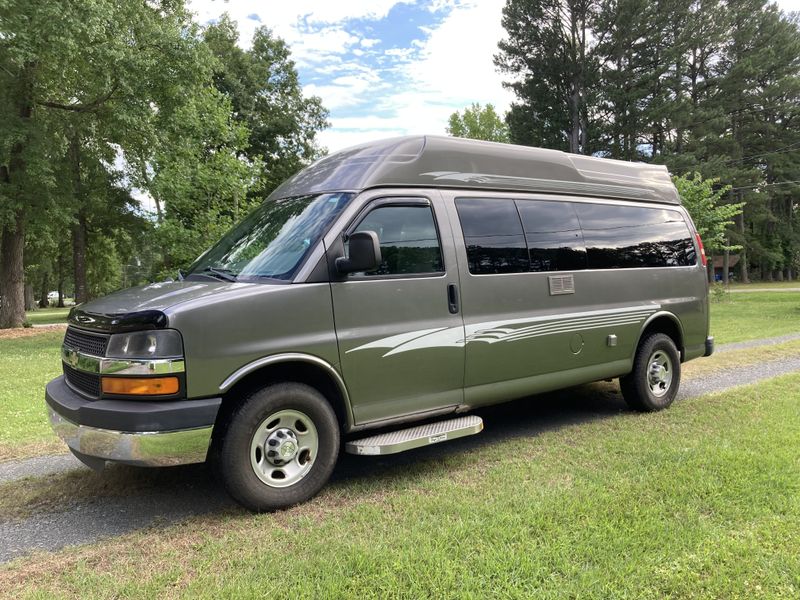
(279, 447)
(656, 376)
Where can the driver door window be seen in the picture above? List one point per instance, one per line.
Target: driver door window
(408, 238)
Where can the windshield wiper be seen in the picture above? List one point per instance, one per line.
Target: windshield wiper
(224, 274)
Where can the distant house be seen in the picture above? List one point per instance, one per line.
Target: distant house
(733, 260)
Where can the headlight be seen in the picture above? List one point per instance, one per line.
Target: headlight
(160, 343)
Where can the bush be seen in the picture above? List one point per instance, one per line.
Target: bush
(719, 292)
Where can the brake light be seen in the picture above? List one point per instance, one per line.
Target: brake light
(702, 250)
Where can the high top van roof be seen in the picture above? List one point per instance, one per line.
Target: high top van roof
(448, 162)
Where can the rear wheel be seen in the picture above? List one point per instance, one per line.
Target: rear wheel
(279, 447)
(654, 381)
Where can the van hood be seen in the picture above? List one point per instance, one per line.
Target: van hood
(144, 306)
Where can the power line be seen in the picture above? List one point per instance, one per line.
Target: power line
(788, 148)
(763, 185)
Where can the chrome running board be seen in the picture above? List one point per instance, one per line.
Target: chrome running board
(415, 437)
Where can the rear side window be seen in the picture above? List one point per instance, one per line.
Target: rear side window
(553, 234)
(493, 236)
(408, 238)
(619, 237)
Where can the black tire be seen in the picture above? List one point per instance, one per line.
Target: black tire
(645, 388)
(233, 461)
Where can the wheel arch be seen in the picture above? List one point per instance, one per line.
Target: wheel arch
(666, 323)
(302, 368)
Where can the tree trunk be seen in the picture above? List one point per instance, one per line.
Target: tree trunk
(30, 301)
(744, 277)
(12, 282)
(44, 301)
(12, 246)
(62, 275)
(726, 261)
(79, 232)
(575, 119)
(79, 259)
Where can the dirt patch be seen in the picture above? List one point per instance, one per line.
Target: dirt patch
(21, 332)
(16, 451)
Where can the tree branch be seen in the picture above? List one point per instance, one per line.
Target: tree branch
(82, 107)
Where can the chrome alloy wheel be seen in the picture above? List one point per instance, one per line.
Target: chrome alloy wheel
(283, 448)
(659, 373)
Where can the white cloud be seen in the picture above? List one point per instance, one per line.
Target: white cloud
(285, 17)
(455, 65)
(446, 69)
(337, 139)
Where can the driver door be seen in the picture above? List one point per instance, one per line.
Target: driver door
(399, 328)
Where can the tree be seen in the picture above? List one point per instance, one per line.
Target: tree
(550, 56)
(713, 218)
(478, 123)
(710, 86)
(198, 179)
(263, 88)
(75, 80)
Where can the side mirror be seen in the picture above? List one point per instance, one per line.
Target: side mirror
(364, 253)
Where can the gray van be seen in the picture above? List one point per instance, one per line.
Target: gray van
(409, 280)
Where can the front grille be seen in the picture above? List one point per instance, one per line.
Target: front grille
(88, 343)
(85, 383)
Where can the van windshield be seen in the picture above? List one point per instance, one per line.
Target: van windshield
(273, 240)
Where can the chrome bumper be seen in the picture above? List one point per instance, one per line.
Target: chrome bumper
(146, 449)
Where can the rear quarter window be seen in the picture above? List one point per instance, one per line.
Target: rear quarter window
(619, 237)
(553, 234)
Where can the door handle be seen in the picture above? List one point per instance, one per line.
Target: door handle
(452, 298)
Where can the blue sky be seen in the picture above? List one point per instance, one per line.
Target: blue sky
(382, 67)
(385, 67)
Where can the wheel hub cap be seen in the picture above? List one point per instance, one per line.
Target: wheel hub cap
(660, 373)
(283, 448)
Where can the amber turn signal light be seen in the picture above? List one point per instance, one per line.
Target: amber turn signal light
(141, 386)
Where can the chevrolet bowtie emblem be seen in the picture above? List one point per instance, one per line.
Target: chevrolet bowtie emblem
(72, 357)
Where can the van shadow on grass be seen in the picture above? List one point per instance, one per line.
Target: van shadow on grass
(525, 417)
(192, 489)
(82, 506)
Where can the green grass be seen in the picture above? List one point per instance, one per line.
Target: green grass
(766, 285)
(700, 501)
(755, 315)
(47, 316)
(26, 365)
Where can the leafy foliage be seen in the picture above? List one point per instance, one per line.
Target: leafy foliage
(266, 98)
(705, 204)
(101, 96)
(710, 86)
(478, 123)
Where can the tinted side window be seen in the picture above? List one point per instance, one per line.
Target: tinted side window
(493, 236)
(553, 233)
(629, 236)
(409, 242)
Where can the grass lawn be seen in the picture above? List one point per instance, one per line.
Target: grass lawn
(755, 315)
(766, 284)
(700, 501)
(27, 363)
(46, 316)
